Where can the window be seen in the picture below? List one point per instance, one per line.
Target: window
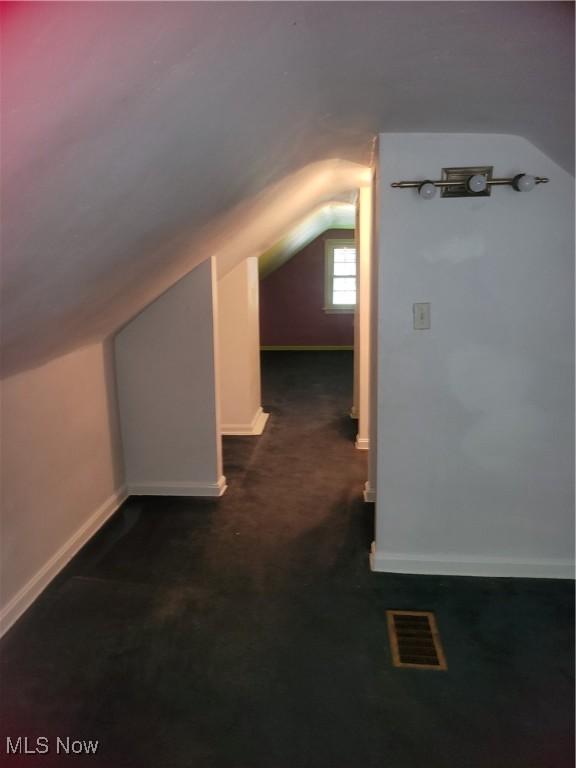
(340, 271)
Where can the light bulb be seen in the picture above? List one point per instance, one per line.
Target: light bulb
(524, 182)
(477, 183)
(427, 190)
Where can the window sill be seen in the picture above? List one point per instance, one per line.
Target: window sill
(339, 310)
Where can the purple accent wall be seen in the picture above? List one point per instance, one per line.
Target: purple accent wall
(292, 301)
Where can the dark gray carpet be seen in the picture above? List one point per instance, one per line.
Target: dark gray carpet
(248, 632)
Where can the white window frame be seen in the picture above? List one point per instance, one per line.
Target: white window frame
(329, 246)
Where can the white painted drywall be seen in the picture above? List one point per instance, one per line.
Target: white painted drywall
(475, 416)
(355, 409)
(167, 391)
(239, 351)
(62, 471)
(371, 483)
(362, 326)
(356, 380)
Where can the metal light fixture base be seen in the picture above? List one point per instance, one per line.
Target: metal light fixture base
(457, 179)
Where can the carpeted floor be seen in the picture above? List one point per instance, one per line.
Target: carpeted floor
(248, 632)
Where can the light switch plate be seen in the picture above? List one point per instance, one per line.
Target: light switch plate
(421, 316)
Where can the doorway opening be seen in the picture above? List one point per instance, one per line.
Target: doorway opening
(306, 298)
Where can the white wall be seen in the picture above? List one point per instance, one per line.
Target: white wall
(371, 484)
(475, 421)
(362, 325)
(356, 380)
(62, 472)
(167, 385)
(239, 351)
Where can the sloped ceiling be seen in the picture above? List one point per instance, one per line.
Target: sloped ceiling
(135, 134)
(329, 216)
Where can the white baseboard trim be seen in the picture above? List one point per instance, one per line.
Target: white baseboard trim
(178, 489)
(24, 598)
(256, 426)
(369, 493)
(463, 565)
(305, 348)
(363, 443)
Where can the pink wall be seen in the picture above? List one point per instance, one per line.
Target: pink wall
(292, 300)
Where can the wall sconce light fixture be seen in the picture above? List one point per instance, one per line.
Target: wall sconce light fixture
(471, 181)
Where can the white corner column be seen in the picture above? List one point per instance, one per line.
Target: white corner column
(239, 350)
(355, 409)
(362, 352)
(371, 483)
(167, 391)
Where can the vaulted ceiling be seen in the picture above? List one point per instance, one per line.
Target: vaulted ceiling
(333, 215)
(139, 138)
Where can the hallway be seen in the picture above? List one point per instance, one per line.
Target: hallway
(248, 631)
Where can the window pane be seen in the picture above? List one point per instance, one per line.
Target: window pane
(344, 297)
(342, 278)
(344, 284)
(344, 255)
(345, 268)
